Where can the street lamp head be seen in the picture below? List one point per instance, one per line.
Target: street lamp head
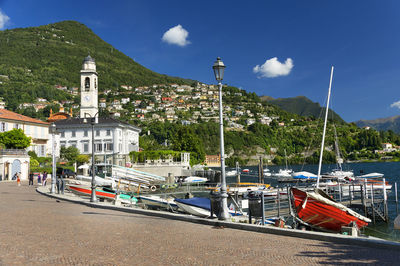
(218, 68)
(52, 128)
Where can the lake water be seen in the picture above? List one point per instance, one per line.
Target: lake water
(391, 171)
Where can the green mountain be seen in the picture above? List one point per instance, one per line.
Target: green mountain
(382, 124)
(303, 106)
(34, 60)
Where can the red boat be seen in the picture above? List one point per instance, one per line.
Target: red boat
(87, 191)
(319, 210)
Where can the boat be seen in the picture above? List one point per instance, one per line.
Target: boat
(231, 173)
(370, 175)
(284, 173)
(199, 206)
(339, 173)
(318, 210)
(196, 206)
(194, 179)
(267, 172)
(100, 193)
(159, 202)
(246, 171)
(304, 175)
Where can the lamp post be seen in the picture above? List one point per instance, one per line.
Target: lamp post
(93, 121)
(53, 150)
(219, 68)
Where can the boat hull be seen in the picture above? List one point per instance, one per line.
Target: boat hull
(87, 191)
(323, 215)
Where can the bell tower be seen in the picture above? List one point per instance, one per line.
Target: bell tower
(89, 88)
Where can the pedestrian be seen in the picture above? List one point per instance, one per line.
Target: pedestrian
(19, 179)
(44, 178)
(30, 178)
(39, 179)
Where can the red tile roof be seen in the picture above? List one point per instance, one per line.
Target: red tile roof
(6, 114)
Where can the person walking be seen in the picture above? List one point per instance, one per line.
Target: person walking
(19, 179)
(30, 179)
(44, 178)
(39, 179)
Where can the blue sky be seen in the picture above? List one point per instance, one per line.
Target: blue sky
(275, 48)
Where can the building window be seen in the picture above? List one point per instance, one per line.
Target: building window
(85, 147)
(85, 133)
(108, 132)
(42, 151)
(62, 134)
(108, 146)
(16, 126)
(97, 133)
(73, 134)
(98, 147)
(62, 144)
(3, 127)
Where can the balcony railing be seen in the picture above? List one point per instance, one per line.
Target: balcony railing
(13, 152)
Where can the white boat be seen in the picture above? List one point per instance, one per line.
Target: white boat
(304, 175)
(371, 175)
(284, 173)
(231, 173)
(160, 202)
(200, 207)
(194, 179)
(267, 172)
(196, 206)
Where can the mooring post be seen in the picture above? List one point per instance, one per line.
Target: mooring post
(385, 201)
(363, 198)
(372, 203)
(351, 187)
(262, 209)
(397, 203)
(260, 171)
(237, 173)
(340, 192)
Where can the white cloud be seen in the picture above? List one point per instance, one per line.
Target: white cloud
(176, 35)
(273, 68)
(3, 19)
(396, 104)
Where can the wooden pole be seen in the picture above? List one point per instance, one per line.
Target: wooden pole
(340, 192)
(237, 173)
(278, 195)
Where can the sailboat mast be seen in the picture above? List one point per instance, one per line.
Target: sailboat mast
(323, 133)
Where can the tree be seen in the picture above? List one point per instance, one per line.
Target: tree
(15, 139)
(70, 154)
(82, 158)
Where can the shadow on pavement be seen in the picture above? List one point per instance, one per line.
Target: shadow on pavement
(341, 254)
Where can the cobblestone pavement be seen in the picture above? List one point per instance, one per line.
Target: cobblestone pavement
(37, 230)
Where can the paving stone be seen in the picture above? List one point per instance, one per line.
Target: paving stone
(37, 230)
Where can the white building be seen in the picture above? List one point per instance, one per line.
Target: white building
(111, 136)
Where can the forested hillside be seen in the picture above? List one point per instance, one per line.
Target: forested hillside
(34, 60)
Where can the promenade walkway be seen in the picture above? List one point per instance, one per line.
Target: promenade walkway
(38, 230)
